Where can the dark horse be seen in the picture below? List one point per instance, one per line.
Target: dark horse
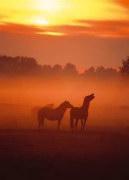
(52, 114)
(81, 113)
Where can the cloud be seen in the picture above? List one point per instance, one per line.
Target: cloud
(108, 28)
(95, 29)
(81, 28)
(19, 28)
(124, 3)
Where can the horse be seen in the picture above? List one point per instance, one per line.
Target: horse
(35, 110)
(53, 114)
(81, 113)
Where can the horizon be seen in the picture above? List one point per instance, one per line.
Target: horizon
(32, 64)
(88, 51)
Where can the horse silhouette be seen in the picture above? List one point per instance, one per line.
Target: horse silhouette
(81, 113)
(49, 113)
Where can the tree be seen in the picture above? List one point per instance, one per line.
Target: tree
(124, 69)
(70, 69)
(57, 69)
(46, 70)
(18, 65)
(100, 69)
(89, 72)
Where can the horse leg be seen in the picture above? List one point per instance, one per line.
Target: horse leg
(40, 121)
(43, 123)
(59, 123)
(71, 122)
(76, 123)
(84, 124)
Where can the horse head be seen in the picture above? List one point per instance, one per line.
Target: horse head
(89, 98)
(66, 104)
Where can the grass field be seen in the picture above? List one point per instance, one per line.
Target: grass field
(48, 154)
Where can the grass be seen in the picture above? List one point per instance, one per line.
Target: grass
(49, 154)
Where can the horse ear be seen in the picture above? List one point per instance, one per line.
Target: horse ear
(65, 101)
(92, 94)
(85, 97)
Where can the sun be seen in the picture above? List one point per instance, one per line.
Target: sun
(55, 11)
(50, 5)
(40, 22)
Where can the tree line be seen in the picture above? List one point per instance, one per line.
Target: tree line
(15, 66)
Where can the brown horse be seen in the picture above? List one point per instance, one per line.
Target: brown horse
(81, 113)
(52, 114)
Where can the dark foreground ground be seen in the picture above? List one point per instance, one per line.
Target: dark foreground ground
(32, 154)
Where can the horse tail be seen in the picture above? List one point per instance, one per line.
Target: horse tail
(35, 113)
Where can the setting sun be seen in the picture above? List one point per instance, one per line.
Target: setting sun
(41, 22)
(49, 5)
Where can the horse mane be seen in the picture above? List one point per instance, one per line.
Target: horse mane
(60, 105)
(85, 102)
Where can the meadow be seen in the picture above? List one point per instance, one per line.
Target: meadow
(29, 153)
(47, 154)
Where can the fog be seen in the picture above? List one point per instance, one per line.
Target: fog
(21, 97)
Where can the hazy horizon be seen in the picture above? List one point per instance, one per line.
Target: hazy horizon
(20, 96)
(81, 51)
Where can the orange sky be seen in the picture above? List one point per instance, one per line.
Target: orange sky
(83, 32)
(103, 18)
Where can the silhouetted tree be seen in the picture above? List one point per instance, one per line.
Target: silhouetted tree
(18, 65)
(100, 69)
(124, 69)
(111, 72)
(57, 69)
(70, 70)
(105, 72)
(89, 72)
(100, 72)
(46, 70)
